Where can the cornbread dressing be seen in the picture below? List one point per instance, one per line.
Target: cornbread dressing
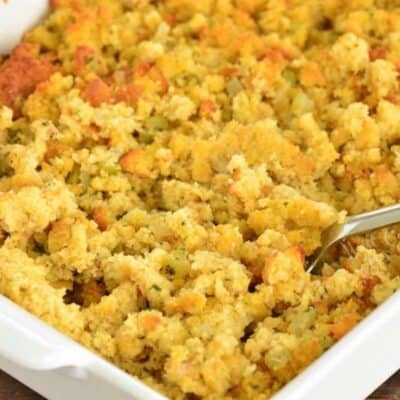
(166, 167)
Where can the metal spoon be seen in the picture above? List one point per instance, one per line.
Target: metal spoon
(360, 223)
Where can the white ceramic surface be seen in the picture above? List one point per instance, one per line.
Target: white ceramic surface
(55, 366)
(16, 17)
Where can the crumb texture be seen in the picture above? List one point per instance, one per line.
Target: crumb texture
(167, 166)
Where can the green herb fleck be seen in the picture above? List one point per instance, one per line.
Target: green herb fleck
(169, 270)
(89, 59)
(178, 263)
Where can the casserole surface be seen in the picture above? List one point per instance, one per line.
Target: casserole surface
(165, 168)
(85, 375)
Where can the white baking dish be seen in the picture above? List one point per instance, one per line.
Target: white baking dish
(60, 369)
(15, 17)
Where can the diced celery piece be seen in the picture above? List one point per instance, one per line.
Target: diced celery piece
(147, 137)
(156, 122)
(302, 104)
(111, 169)
(234, 86)
(73, 176)
(290, 75)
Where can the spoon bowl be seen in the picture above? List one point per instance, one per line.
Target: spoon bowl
(356, 224)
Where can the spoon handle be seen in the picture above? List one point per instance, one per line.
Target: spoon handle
(371, 220)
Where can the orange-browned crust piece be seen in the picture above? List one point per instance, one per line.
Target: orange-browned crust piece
(21, 73)
(135, 162)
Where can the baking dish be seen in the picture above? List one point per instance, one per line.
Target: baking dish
(12, 28)
(60, 369)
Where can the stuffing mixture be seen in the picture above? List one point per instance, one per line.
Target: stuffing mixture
(167, 166)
